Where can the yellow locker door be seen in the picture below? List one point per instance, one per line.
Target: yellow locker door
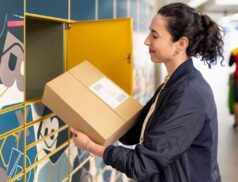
(107, 44)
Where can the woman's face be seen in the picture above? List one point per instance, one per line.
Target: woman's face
(159, 41)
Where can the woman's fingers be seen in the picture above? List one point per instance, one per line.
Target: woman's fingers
(74, 131)
(77, 133)
(80, 139)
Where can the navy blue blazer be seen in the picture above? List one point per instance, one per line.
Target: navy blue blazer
(181, 136)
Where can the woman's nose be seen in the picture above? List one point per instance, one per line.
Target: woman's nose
(147, 42)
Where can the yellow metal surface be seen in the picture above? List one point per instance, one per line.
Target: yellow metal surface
(107, 44)
(12, 108)
(32, 15)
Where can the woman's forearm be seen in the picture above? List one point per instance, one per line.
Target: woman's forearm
(95, 149)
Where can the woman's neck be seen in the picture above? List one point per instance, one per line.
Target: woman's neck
(172, 65)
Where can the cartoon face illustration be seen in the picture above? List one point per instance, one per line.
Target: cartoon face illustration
(51, 143)
(11, 71)
(46, 127)
(11, 67)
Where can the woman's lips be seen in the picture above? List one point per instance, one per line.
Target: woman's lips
(151, 51)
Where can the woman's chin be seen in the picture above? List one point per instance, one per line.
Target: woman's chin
(156, 60)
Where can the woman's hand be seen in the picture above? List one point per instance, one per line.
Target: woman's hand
(84, 142)
(80, 139)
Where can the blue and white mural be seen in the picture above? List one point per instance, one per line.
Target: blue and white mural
(12, 146)
(44, 132)
(11, 53)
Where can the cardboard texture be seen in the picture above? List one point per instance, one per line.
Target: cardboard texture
(87, 100)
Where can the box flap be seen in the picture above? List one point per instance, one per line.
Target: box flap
(89, 75)
(86, 73)
(128, 109)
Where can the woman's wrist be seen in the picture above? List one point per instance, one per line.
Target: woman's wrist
(94, 148)
(87, 145)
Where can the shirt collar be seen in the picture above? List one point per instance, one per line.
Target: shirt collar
(180, 71)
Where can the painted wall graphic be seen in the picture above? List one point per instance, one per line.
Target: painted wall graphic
(11, 53)
(94, 169)
(35, 145)
(54, 8)
(12, 147)
(54, 167)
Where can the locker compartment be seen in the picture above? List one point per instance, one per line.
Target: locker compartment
(105, 9)
(11, 120)
(36, 110)
(107, 44)
(54, 8)
(49, 165)
(82, 167)
(49, 133)
(122, 8)
(48, 145)
(44, 54)
(82, 10)
(11, 155)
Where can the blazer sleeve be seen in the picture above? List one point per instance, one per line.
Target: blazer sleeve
(173, 133)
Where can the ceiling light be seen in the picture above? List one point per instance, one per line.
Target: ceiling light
(196, 3)
(226, 2)
(229, 18)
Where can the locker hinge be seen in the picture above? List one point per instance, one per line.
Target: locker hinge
(128, 58)
(68, 25)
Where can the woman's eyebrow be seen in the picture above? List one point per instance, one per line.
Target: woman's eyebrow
(153, 31)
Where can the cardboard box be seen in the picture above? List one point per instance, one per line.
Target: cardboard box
(87, 100)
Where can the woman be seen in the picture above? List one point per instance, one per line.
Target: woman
(176, 134)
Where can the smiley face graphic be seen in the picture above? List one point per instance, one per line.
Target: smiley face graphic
(47, 127)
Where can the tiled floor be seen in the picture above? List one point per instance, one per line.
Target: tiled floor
(228, 137)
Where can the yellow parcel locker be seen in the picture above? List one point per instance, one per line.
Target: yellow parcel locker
(53, 47)
(107, 44)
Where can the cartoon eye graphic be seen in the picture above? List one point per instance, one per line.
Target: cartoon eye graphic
(52, 137)
(11, 63)
(46, 132)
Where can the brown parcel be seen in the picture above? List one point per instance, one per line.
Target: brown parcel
(69, 96)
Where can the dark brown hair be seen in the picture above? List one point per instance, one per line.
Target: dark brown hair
(204, 35)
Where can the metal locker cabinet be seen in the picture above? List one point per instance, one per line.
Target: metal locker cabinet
(52, 8)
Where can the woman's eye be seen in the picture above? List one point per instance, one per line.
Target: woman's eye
(154, 36)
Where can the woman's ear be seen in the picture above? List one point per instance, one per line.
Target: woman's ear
(181, 46)
(183, 43)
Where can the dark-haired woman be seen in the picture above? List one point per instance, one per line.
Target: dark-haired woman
(176, 134)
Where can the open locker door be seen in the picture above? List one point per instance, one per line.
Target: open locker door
(107, 44)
